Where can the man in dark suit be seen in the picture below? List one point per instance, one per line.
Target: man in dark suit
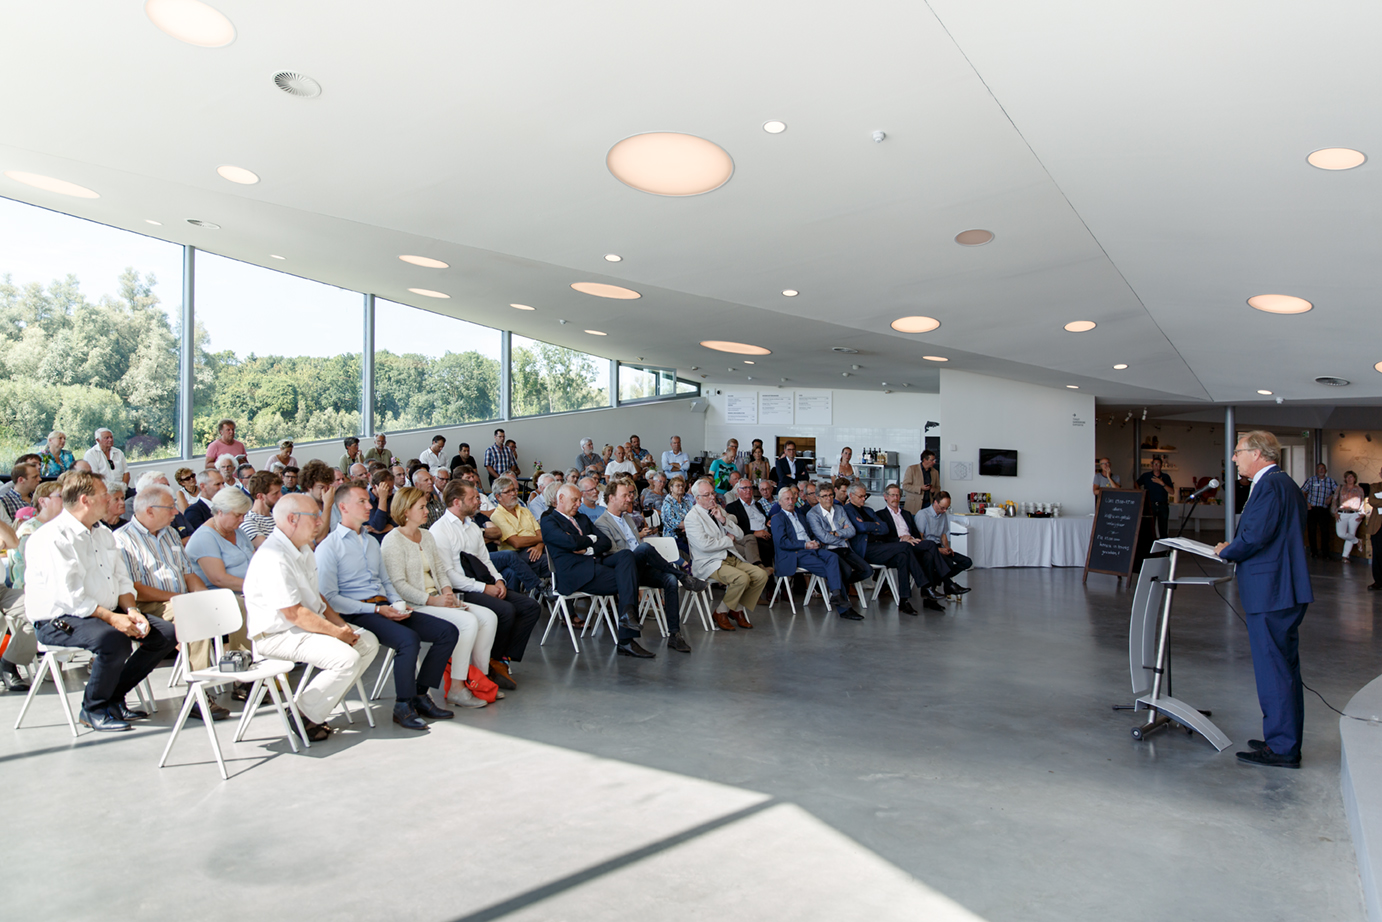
(1274, 584)
(580, 564)
(790, 468)
(793, 548)
(902, 527)
(871, 542)
(748, 514)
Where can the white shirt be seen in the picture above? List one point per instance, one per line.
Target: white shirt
(757, 520)
(454, 536)
(279, 576)
(106, 468)
(486, 503)
(621, 467)
(70, 569)
(432, 460)
(670, 457)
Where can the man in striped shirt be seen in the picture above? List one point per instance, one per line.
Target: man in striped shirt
(499, 458)
(1319, 521)
(265, 489)
(159, 566)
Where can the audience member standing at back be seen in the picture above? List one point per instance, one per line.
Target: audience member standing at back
(225, 443)
(498, 458)
(1159, 487)
(1319, 521)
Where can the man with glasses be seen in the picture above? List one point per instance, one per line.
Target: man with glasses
(711, 535)
(520, 536)
(590, 499)
(107, 460)
(243, 472)
(1274, 585)
(208, 482)
(287, 618)
(1319, 521)
(871, 542)
(379, 452)
(794, 549)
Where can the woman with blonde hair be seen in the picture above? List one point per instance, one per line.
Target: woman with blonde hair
(55, 459)
(419, 576)
(844, 468)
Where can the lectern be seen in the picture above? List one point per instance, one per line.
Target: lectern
(1149, 641)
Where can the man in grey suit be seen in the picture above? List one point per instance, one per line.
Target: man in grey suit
(653, 569)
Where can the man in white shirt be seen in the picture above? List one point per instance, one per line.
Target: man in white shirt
(674, 460)
(287, 618)
(711, 534)
(79, 594)
(478, 582)
(107, 460)
(432, 457)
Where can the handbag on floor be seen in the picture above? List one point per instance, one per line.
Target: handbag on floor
(480, 685)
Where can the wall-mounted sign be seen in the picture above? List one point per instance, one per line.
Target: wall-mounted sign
(741, 408)
(775, 408)
(814, 408)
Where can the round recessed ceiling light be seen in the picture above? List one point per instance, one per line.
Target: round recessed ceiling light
(425, 262)
(613, 258)
(1265, 393)
(596, 333)
(276, 256)
(153, 222)
(1073, 387)
(1378, 367)
(1336, 158)
(774, 126)
(191, 21)
(670, 163)
(522, 307)
(973, 238)
(1119, 367)
(790, 292)
(736, 348)
(915, 324)
(935, 358)
(429, 293)
(601, 290)
(1080, 326)
(299, 85)
(238, 174)
(49, 184)
(1280, 304)
(206, 224)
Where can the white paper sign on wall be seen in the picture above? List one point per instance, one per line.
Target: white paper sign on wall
(741, 408)
(814, 408)
(961, 470)
(1076, 421)
(775, 408)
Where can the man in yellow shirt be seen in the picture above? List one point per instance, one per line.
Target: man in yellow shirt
(519, 531)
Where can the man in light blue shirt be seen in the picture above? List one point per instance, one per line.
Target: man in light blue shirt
(352, 578)
(675, 461)
(590, 499)
(934, 524)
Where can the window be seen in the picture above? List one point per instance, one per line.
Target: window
(89, 336)
(639, 382)
(278, 354)
(554, 379)
(432, 370)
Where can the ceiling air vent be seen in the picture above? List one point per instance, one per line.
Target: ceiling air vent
(206, 224)
(295, 84)
(845, 350)
(1331, 381)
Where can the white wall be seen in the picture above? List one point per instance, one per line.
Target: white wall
(1051, 429)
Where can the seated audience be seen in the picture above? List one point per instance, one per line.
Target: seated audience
(358, 471)
(225, 466)
(841, 487)
(588, 461)
(675, 461)
(573, 476)
(353, 455)
(832, 528)
(290, 479)
(221, 555)
(265, 489)
(711, 534)
(114, 519)
(767, 493)
(21, 649)
(520, 535)
(81, 465)
(422, 480)
(24, 480)
(651, 499)
(757, 544)
(461, 548)
(78, 593)
(757, 468)
(284, 456)
(902, 527)
(225, 443)
(184, 488)
(415, 569)
(380, 494)
(439, 481)
(380, 452)
(432, 457)
(536, 504)
(871, 541)
(809, 496)
(107, 460)
(400, 476)
(149, 478)
(350, 568)
(674, 510)
(463, 458)
(794, 549)
(591, 506)
(316, 480)
(55, 459)
(626, 533)
(243, 472)
(640, 456)
(933, 522)
(720, 470)
(621, 464)
(583, 561)
(287, 617)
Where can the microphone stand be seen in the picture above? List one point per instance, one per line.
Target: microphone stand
(1194, 501)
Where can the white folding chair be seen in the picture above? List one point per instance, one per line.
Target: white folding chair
(884, 576)
(206, 616)
(654, 600)
(566, 603)
(345, 708)
(51, 661)
(813, 584)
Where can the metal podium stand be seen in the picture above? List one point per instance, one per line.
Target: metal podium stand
(1149, 642)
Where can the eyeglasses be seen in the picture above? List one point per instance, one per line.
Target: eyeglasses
(312, 515)
(1237, 450)
(174, 508)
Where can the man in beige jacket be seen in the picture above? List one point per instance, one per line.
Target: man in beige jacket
(921, 483)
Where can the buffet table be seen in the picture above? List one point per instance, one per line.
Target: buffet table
(1022, 542)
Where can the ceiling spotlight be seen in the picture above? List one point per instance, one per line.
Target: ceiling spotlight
(782, 379)
(935, 358)
(613, 258)
(1336, 158)
(750, 377)
(425, 262)
(695, 368)
(774, 126)
(790, 292)
(748, 362)
(1119, 367)
(1128, 417)
(884, 384)
(563, 322)
(879, 137)
(729, 369)
(1144, 414)
(1280, 304)
(1080, 326)
(596, 333)
(856, 367)
(601, 290)
(153, 222)
(49, 184)
(276, 256)
(429, 293)
(1378, 367)
(844, 374)
(1073, 387)
(206, 224)
(973, 238)
(915, 324)
(238, 174)
(720, 345)
(670, 163)
(1265, 393)
(522, 307)
(191, 21)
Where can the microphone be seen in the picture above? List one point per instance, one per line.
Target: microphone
(1212, 485)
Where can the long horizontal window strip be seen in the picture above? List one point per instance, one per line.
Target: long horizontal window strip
(432, 370)
(546, 378)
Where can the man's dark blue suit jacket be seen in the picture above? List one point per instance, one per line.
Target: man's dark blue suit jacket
(1269, 546)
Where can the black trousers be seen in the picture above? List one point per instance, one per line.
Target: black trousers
(1376, 559)
(617, 575)
(853, 568)
(117, 668)
(1319, 530)
(899, 557)
(406, 638)
(660, 573)
(1162, 514)
(956, 564)
(517, 615)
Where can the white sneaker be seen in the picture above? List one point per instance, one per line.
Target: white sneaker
(462, 698)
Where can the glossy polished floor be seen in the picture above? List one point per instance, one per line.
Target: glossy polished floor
(943, 767)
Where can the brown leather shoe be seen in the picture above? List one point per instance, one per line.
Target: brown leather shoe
(742, 620)
(722, 621)
(499, 667)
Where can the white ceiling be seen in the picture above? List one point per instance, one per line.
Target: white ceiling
(1141, 166)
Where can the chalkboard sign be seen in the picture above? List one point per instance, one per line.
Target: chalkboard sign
(1113, 537)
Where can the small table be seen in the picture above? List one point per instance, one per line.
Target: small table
(1023, 542)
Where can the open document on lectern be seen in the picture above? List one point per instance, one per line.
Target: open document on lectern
(1191, 546)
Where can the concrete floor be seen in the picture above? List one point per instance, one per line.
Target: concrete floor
(943, 767)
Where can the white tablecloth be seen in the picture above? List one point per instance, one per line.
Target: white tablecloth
(1024, 542)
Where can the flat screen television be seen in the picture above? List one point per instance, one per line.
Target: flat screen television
(998, 462)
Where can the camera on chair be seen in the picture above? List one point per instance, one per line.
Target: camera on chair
(236, 661)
